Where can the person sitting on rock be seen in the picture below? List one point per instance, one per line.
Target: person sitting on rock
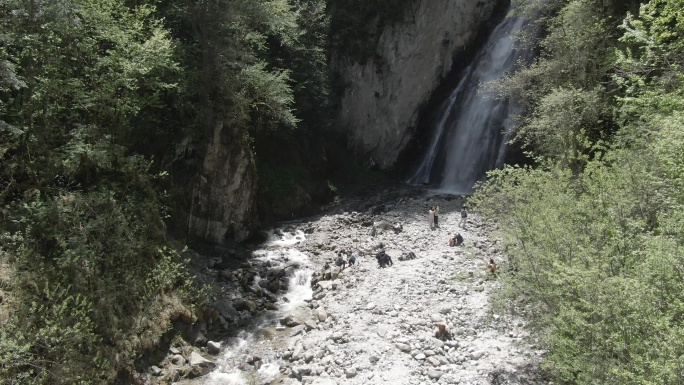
(459, 239)
(491, 266)
(340, 262)
(442, 332)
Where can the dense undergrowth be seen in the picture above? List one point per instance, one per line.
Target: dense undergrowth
(106, 111)
(595, 229)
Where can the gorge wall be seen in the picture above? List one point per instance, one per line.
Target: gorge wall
(223, 197)
(382, 98)
(378, 114)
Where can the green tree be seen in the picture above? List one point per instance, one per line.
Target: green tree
(82, 80)
(595, 251)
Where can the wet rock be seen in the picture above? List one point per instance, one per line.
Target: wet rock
(296, 317)
(213, 347)
(200, 340)
(245, 305)
(199, 366)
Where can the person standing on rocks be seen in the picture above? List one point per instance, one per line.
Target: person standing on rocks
(491, 266)
(464, 216)
(431, 216)
(436, 216)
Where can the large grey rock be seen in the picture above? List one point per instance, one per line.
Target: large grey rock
(199, 366)
(384, 95)
(296, 317)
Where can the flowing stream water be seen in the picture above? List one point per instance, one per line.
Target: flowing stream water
(278, 250)
(472, 129)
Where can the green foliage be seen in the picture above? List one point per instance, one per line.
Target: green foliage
(560, 122)
(576, 40)
(82, 80)
(268, 96)
(595, 251)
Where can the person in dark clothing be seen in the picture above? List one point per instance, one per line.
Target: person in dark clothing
(464, 216)
(351, 260)
(459, 239)
(340, 262)
(491, 266)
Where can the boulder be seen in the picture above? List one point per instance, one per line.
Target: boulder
(245, 305)
(199, 366)
(213, 347)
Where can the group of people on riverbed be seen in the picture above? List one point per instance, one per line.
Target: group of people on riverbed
(457, 239)
(347, 257)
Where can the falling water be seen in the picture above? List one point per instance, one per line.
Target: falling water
(471, 133)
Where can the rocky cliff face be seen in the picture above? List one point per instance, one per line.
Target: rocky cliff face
(383, 97)
(223, 199)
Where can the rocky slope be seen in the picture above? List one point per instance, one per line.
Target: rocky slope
(365, 325)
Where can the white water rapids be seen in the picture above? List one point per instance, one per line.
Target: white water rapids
(472, 130)
(279, 251)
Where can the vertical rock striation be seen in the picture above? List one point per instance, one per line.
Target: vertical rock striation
(223, 198)
(384, 96)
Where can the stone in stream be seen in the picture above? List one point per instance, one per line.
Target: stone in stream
(199, 366)
(213, 347)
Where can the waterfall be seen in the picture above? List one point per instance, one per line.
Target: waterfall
(472, 130)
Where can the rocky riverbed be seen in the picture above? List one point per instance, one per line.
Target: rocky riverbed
(364, 324)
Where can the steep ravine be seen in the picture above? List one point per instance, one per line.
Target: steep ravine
(372, 325)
